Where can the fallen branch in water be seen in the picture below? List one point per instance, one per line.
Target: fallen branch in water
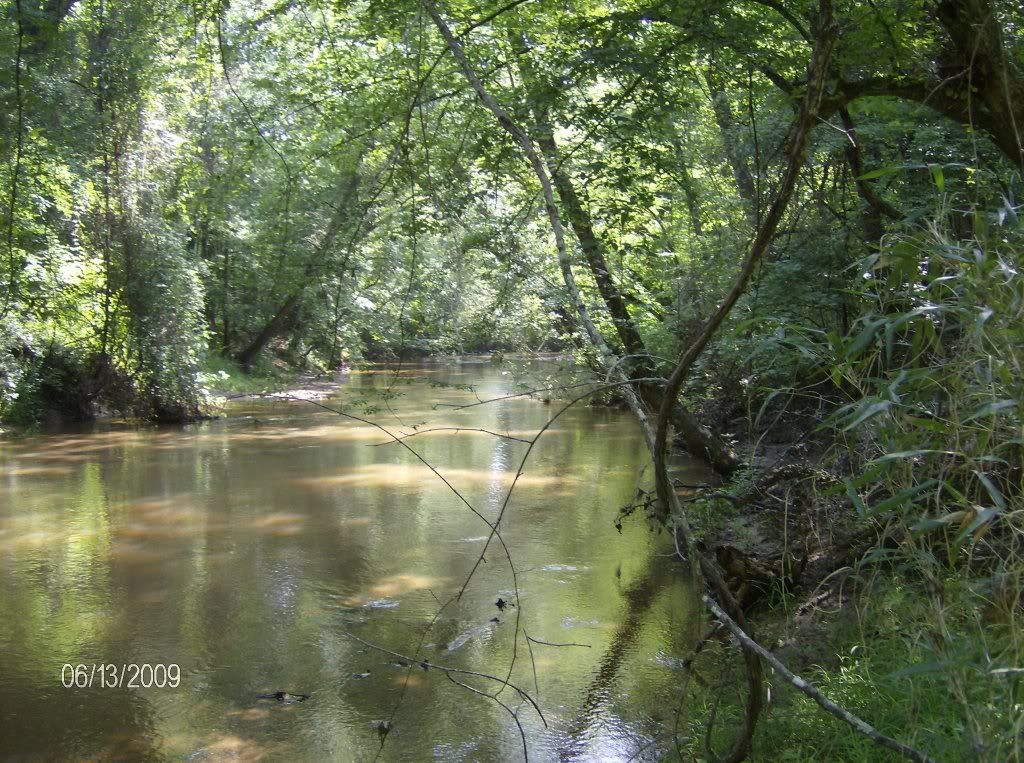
(824, 702)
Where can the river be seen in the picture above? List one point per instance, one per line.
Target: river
(266, 550)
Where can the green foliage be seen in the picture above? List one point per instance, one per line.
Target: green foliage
(197, 194)
(937, 363)
(931, 436)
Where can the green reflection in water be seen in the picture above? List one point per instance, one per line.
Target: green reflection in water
(242, 549)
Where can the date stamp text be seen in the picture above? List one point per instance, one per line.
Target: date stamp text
(125, 675)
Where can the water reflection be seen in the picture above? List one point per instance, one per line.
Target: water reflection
(244, 549)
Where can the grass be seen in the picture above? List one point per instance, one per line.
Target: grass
(889, 664)
(221, 377)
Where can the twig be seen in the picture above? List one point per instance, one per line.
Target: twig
(557, 388)
(626, 384)
(824, 702)
(522, 465)
(448, 669)
(533, 664)
(551, 643)
(509, 710)
(448, 429)
(408, 670)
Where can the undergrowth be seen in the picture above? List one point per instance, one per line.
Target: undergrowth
(926, 392)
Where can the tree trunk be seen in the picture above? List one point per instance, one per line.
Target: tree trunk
(282, 320)
(796, 148)
(727, 127)
(995, 98)
(875, 207)
(279, 324)
(583, 226)
(689, 190)
(698, 439)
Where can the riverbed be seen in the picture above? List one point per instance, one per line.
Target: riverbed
(287, 548)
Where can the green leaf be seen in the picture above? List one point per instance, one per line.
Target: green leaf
(991, 408)
(881, 172)
(867, 412)
(902, 497)
(858, 504)
(921, 668)
(911, 454)
(865, 337)
(994, 493)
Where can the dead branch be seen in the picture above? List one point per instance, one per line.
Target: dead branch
(448, 429)
(448, 669)
(552, 643)
(830, 707)
(506, 708)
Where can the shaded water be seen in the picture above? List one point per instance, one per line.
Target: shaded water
(245, 549)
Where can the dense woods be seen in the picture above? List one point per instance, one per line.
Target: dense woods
(787, 235)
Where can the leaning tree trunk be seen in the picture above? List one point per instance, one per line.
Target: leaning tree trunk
(796, 149)
(726, 122)
(698, 439)
(283, 318)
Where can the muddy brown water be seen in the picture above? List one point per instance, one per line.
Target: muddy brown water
(245, 550)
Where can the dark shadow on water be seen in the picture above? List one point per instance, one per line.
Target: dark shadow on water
(639, 598)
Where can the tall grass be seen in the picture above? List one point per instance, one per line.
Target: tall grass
(932, 436)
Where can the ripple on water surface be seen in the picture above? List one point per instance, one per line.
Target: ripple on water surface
(254, 551)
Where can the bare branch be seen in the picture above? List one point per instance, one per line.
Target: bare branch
(551, 643)
(448, 429)
(448, 669)
(509, 710)
(830, 707)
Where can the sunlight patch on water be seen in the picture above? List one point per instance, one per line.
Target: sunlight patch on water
(396, 585)
(249, 714)
(405, 475)
(20, 541)
(142, 531)
(412, 680)
(354, 522)
(234, 748)
(279, 521)
(35, 471)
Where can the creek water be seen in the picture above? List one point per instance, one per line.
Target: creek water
(258, 552)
